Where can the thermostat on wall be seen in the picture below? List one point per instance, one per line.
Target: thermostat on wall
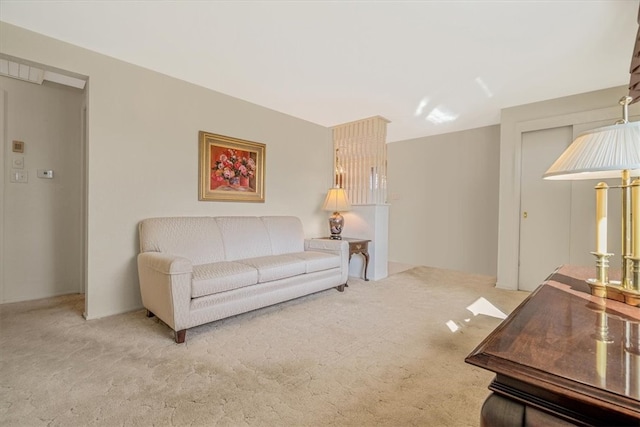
(17, 147)
(43, 173)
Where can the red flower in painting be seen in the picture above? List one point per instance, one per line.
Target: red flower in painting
(231, 165)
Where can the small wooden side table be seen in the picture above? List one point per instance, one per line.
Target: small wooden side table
(357, 246)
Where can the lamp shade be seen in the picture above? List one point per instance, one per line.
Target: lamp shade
(336, 201)
(600, 153)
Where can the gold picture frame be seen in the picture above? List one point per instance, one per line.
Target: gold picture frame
(230, 169)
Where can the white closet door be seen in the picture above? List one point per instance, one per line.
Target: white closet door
(583, 218)
(545, 208)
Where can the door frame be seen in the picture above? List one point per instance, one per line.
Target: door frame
(510, 177)
(5, 156)
(84, 195)
(84, 198)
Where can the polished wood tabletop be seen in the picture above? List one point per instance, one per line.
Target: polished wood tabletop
(565, 350)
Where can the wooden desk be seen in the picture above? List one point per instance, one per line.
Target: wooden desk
(568, 354)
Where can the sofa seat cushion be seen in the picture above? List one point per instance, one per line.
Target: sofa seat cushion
(318, 261)
(221, 276)
(276, 267)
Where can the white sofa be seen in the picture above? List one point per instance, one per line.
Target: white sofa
(194, 270)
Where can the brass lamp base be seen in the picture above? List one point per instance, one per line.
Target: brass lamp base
(613, 290)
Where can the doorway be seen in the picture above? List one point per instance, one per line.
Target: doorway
(42, 211)
(545, 208)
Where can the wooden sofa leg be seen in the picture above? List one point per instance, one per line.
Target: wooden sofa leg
(341, 288)
(150, 314)
(181, 336)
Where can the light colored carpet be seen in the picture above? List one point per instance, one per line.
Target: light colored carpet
(380, 353)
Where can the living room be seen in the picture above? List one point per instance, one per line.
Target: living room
(454, 196)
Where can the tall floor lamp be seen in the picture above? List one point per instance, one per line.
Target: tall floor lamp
(610, 152)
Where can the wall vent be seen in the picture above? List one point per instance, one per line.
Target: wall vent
(29, 73)
(21, 71)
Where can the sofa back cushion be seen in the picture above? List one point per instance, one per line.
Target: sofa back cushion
(195, 238)
(244, 237)
(285, 233)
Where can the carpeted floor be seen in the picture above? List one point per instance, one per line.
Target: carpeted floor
(381, 353)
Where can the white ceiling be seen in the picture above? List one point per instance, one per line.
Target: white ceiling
(332, 62)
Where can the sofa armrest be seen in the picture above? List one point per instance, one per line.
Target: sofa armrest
(326, 245)
(165, 287)
(165, 263)
(337, 247)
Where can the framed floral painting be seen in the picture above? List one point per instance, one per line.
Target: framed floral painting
(231, 169)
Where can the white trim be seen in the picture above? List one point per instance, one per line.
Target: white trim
(5, 150)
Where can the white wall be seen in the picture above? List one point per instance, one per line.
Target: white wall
(143, 158)
(369, 222)
(443, 192)
(575, 110)
(42, 224)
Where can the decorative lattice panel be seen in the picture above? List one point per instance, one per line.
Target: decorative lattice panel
(361, 160)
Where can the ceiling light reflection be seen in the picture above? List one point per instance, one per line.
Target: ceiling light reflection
(484, 87)
(420, 109)
(440, 115)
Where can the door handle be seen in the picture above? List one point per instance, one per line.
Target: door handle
(525, 214)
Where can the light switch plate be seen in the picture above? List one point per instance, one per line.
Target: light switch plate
(19, 176)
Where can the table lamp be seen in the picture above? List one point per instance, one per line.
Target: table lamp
(335, 202)
(610, 152)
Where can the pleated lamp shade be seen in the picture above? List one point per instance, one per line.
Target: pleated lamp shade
(336, 201)
(599, 154)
